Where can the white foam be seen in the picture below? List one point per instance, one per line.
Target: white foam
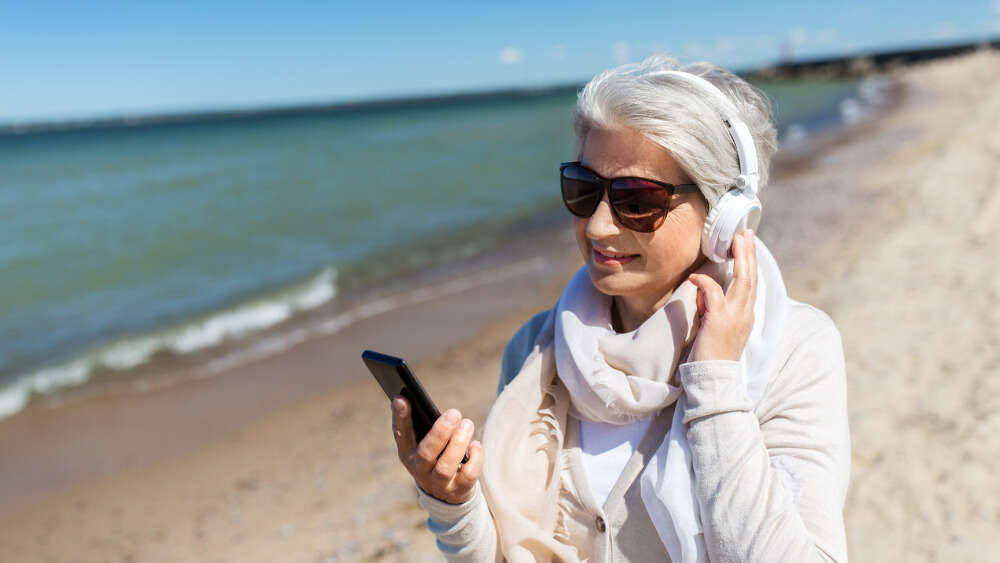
(216, 329)
(129, 353)
(279, 343)
(795, 133)
(322, 288)
(67, 375)
(874, 90)
(852, 111)
(255, 316)
(189, 337)
(13, 398)
(242, 320)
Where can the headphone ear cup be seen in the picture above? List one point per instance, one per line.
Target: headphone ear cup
(734, 213)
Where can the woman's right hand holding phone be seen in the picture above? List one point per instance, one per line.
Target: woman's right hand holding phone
(436, 462)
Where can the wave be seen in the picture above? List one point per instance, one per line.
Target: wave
(275, 344)
(871, 95)
(199, 334)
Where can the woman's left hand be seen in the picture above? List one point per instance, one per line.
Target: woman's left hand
(727, 317)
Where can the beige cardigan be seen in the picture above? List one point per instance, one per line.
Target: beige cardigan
(771, 480)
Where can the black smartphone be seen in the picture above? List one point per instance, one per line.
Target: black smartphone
(396, 378)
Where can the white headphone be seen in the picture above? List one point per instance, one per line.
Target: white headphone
(738, 209)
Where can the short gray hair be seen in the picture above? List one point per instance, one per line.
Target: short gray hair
(677, 115)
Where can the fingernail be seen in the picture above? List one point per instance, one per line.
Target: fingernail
(466, 425)
(451, 417)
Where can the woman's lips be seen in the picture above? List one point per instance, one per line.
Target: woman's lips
(612, 258)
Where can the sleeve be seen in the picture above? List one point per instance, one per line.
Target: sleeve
(465, 532)
(771, 482)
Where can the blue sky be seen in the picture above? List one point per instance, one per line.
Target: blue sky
(62, 60)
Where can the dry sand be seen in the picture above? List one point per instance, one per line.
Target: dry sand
(891, 231)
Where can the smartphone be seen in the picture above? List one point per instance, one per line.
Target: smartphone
(396, 378)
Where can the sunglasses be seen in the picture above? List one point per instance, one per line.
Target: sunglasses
(639, 204)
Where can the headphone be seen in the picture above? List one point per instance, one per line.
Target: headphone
(738, 209)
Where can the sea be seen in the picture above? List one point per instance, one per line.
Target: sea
(123, 242)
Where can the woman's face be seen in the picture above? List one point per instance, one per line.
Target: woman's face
(631, 264)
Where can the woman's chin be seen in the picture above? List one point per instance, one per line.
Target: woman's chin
(614, 281)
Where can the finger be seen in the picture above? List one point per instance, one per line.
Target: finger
(402, 428)
(448, 464)
(430, 448)
(470, 471)
(740, 288)
(713, 296)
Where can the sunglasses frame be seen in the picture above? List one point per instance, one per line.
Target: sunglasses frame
(605, 184)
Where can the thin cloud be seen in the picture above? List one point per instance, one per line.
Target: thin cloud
(511, 55)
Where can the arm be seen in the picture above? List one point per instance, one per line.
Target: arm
(465, 532)
(448, 489)
(772, 488)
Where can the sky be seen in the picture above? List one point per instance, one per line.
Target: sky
(82, 60)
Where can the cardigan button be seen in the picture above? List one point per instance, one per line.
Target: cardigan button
(601, 527)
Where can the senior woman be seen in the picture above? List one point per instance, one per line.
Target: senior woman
(675, 404)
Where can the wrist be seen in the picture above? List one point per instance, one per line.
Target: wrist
(444, 512)
(451, 500)
(713, 387)
(705, 354)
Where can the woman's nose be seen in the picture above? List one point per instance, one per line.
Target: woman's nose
(602, 223)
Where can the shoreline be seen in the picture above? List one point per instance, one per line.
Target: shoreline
(204, 396)
(229, 331)
(187, 339)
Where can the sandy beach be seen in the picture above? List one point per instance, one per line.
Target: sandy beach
(888, 226)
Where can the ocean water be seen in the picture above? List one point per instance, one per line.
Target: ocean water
(119, 243)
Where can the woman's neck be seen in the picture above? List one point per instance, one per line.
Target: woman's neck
(628, 312)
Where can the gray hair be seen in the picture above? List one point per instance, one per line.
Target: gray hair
(677, 115)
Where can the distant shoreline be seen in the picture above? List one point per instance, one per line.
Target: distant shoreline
(856, 64)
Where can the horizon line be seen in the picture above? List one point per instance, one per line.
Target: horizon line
(796, 68)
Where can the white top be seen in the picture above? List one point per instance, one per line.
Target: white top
(605, 449)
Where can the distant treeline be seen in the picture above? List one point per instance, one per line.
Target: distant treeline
(831, 67)
(863, 64)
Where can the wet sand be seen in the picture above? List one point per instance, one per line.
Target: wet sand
(887, 226)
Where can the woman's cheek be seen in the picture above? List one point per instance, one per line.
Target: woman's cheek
(580, 230)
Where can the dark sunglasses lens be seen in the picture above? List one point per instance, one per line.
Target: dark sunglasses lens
(640, 204)
(581, 190)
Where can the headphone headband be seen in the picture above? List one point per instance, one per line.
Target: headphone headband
(746, 152)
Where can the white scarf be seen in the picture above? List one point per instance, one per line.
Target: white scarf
(614, 378)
